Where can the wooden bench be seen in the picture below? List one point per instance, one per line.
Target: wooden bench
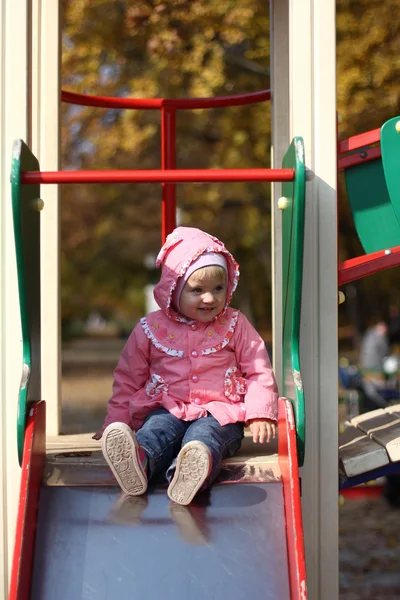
(369, 447)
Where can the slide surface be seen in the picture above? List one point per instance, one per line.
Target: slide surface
(90, 546)
(241, 539)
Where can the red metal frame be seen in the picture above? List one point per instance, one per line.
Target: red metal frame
(168, 161)
(158, 176)
(31, 475)
(157, 103)
(359, 141)
(350, 160)
(168, 107)
(356, 268)
(362, 491)
(368, 264)
(291, 490)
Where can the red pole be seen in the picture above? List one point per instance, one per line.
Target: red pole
(171, 176)
(168, 161)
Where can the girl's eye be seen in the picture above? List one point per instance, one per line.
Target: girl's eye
(196, 290)
(219, 288)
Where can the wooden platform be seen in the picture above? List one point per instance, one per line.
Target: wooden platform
(370, 444)
(77, 460)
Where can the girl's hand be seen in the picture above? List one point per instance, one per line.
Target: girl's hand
(98, 435)
(263, 430)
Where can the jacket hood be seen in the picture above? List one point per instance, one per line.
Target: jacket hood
(183, 246)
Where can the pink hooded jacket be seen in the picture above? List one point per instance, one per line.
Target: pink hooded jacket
(192, 368)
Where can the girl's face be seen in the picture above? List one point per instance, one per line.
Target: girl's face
(204, 299)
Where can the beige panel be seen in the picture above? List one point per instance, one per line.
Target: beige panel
(13, 124)
(308, 28)
(280, 142)
(20, 80)
(325, 168)
(313, 96)
(45, 142)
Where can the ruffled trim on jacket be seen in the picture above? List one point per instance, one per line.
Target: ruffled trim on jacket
(227, 337)
(156, 343)
(168, 332)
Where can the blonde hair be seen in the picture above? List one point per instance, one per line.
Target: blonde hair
(209, 271)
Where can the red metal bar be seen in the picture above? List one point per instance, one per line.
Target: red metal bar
(158, 176)
(168, 107)
(287, 457)
(31, 475)
(168, 161)
(350, 160)
(157, 103)
(362, 491)
(356, 268)
(359, 141)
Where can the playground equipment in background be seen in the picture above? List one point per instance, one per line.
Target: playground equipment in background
(267, 486)
(368, 446)
(371, 173)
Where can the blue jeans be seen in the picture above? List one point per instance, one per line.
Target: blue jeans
(163, 435)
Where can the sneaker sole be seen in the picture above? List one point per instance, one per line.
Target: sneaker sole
(192, 469)
(120, 449)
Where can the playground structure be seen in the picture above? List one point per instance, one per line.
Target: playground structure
(370, 166)
(290, 116)
(368, 448)
(35, 569)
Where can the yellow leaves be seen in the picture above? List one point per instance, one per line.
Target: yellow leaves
(232, 36)
(239, 16)
(235, 30)
(383, 72)
(240, 137)
(135, 136)
(260, 50)
(368, 65)
(75, 10)
(150, 48)
(209, 33)
(214, 195)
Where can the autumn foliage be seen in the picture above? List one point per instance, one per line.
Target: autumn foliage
(202, 48)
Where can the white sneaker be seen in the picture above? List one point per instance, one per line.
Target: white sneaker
(193, 466)
(126, 459)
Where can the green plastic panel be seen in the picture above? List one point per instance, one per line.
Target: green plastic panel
(292, 274)
(390, 148)
(26, 218)
(374, 217)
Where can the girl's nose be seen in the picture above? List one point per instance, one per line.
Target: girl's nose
(208, 298)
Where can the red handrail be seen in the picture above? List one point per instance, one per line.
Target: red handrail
(158, 176)
(351, 160)
(157, 103)
(359, 141)
(168, 107)
(363, 142)
(368, 264)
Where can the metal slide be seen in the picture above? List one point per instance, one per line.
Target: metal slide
(78, 539)
(233, 547)
(241, 539)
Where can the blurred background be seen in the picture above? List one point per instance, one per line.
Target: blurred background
(111, 233)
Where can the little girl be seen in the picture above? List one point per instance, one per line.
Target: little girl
(190, 376)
